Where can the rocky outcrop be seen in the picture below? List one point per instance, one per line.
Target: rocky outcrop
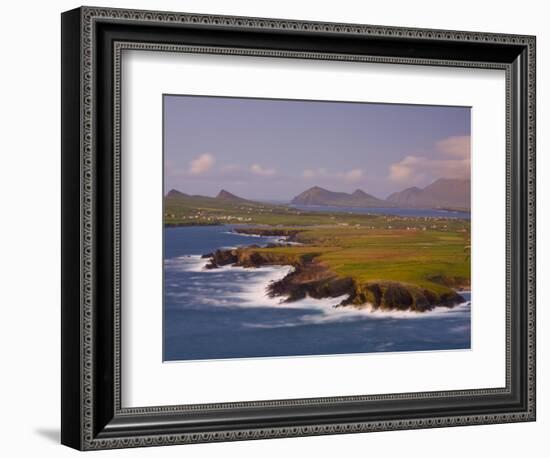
(312, 278)
(221, 258)
(400, 296)
(249, 257)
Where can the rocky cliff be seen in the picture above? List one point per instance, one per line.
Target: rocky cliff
(310, 277)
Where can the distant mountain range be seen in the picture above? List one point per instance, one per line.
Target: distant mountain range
(320, 196)
(222, 195)
(224, 199)
(443, 193)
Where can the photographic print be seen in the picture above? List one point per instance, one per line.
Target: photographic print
(308, 227)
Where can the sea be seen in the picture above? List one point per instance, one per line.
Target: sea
(226, 313)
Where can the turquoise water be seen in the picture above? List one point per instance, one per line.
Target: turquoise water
(225, 313)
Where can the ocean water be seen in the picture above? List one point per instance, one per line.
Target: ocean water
(225, 313)
(415, 212)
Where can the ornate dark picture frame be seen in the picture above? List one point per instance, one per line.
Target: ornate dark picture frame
(92, 42)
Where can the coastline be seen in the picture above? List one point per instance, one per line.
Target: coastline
(312, 278)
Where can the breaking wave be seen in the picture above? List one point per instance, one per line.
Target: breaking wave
(234, 286)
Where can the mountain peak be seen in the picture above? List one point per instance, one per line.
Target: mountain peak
(175, 193)
(320, 196)
(226, 195)
(315, 188)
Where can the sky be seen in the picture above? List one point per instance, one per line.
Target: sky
(272, 149)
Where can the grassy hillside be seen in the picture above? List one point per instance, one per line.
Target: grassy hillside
(192, 210)
(436, 260)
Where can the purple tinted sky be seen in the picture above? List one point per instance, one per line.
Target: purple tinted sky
(275, 149)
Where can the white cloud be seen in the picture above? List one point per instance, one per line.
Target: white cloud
(456, 146)
(257, 169)
(201, 164)
(453, 163)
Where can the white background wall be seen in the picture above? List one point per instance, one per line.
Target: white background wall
(30, 240)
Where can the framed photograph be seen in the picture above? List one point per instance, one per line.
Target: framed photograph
(278, 228)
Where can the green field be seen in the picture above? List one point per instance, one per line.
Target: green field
(436, 260)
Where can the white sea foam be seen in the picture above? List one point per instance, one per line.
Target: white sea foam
(255, 294)
(328, 313)
(251, 291)
(193, 263)
(241, 235)
(272, 238)
(187, 263)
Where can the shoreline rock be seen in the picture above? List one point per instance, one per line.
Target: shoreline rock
(389, 295)
(221, 258)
